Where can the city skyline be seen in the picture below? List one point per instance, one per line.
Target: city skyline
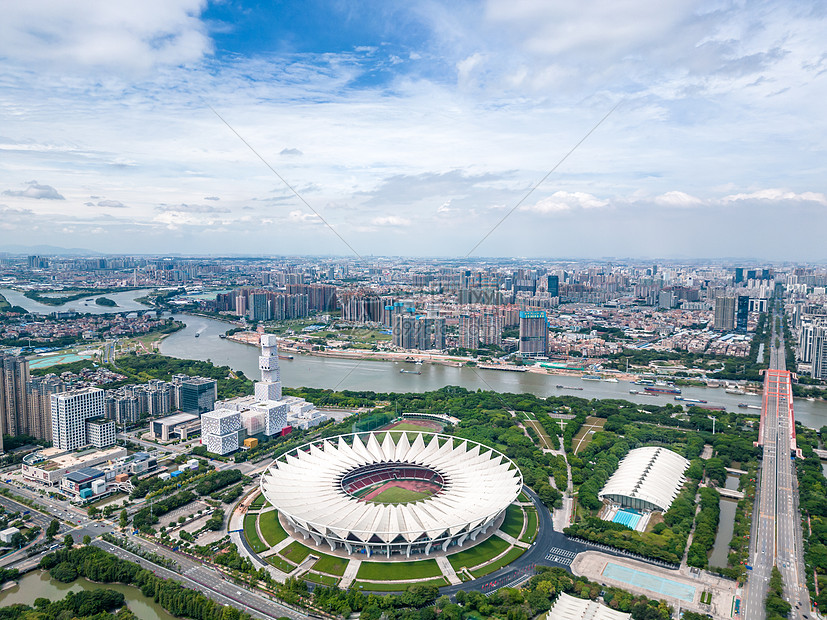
(413, 130)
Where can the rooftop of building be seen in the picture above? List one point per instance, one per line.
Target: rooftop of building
(177, 418)
(84, 474)
(73, 459)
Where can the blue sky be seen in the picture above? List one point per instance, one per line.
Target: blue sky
(412, 128)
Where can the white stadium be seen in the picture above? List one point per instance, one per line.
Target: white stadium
(324, 490)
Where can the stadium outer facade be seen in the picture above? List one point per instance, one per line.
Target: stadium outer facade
(314, 488)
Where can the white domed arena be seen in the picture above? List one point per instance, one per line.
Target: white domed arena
(381, 493)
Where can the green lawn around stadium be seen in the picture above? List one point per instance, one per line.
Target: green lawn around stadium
(395, 571)
(258, 502)
(508, 558)
(330, 564)
(295, 552)
(398, 495)
(513, 522)
(271, 530)
(531, 528)
(483, 552)
(251, 534)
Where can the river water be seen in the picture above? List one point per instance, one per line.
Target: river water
(125, 300)
(378, 376)
(38, 584)
(344, 374)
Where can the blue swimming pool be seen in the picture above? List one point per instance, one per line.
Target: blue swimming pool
(627, 517)
(650, 582)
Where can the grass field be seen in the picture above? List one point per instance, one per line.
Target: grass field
(523, 497)
(324, 580)
(258, 502)
(513, 522)
(584, 436)
(475, 556)
(398, 587)
(508, 558)
(531, 527)
(397, 495)
(280, 563)
(251, 535)
(544, 438)
(295, 552)
(271, 530)
(395, 571)
(412, 426)
(330, 564)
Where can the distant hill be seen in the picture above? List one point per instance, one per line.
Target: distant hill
(46, 250)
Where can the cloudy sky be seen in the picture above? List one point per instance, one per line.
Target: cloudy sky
(413, 128)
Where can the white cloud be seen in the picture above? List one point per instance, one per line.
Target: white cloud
(566, 201)
(390, 220)
(102, 34)
(678, 199)
(36, 190)
(778, 195)
(112, 204)
(301, 217)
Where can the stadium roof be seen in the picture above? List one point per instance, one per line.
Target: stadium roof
(648, 478)
(568, 607)
(305, 485)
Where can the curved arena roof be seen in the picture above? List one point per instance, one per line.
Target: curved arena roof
(647, 478)
(306, 487)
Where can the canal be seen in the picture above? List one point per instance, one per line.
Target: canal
(38, 584)
(726, 525)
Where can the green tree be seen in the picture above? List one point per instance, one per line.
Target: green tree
(123, 521)
(53, 529)
(87, 540)
(68, 541)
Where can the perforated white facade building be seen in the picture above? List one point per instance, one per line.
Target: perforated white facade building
(219, 430)
(314, 489)
(646, 479)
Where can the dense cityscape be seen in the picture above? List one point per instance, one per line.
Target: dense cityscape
(477, 310)
(105, 426)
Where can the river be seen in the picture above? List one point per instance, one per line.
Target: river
(39, 584)
(378, 376)
(125, 300)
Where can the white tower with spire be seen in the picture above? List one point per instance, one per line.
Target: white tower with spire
(269, 388)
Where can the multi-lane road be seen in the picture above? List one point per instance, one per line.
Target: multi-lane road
(777, 536)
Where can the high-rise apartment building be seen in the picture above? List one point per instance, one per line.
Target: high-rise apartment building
(70, 410)
(39, 392)
(742, 314)
(725, 313)
(533, 333)
(14, 373)
(418, 332)
(819, 352)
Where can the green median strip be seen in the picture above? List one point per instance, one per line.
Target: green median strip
(507, 559)
(398, 587)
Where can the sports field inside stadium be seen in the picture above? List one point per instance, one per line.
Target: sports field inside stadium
(397, 491)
